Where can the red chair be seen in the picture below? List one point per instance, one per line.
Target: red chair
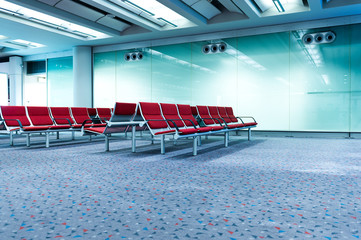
(207, 119)
(41, 119)
(234, 119)
(92, 112)
(185, 112)
(216, 113)
(122, 119)
(82, 118)
(104, 113)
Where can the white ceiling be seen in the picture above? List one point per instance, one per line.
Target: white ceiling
(206, 16)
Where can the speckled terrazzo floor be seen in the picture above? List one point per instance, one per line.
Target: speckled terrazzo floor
(271, 188)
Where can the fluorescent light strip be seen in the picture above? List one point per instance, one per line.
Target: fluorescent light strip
(66, 28)
(162, 19)
(157, 10)
(138, 7)
(27, 43)
(278, 5)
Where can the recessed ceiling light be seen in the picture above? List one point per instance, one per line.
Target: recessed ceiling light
(157, 10)
(57, 24)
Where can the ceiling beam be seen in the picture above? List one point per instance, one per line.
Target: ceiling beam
(185, 11)
(123, 14)
(44, 8)
(248, 8)
(315, 6)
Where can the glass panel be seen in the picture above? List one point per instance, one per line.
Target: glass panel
(171, 74)
(133, 80)
(35, 90)
(214, 75)
(60, 82)
(3, 89)
(320, 85)
(355, 78)
(104, 79)
(263, 80)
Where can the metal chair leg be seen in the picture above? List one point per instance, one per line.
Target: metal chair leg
(106, 143)
(11, 139)
(47, 144)
(226, 138)
(133, 140)
(28, 140)
(195, 143)
(162, 143)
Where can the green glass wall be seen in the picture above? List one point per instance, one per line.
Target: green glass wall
(60, 81)
(284, 84)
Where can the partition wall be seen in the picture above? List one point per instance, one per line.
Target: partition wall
(285, 84)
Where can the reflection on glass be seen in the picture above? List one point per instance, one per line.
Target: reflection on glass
(285, 84)
(3, 89)
(60, 82)
(35, 93)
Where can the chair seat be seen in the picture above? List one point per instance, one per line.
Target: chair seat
(216, 128)
(60, 127)
(164, 132)
(250, 124)
(205, 129)
(95, 129)
(237, 125)
(36, 128)
(89, 125)
(187, 131)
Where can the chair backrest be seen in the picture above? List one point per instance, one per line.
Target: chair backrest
(104, 113)
(185, 111)
(204, 115)
(230, 114)
(14, 112)
(60, 114)
(123, 112)
(213, 111)
(222, 112)
(170, 111)
(80, 114)
(39, 116)
(194, 111)
(92, 112)
(151, 111)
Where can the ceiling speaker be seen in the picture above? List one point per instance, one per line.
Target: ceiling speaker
(214, 48)
(206, 49)
(133, 56)
(319, 38)
(127, 57)
(222, 47)
(330, 37)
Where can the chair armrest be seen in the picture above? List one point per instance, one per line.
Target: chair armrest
(63, 119)
(240, 117)
(85, 121)
(10, 119)
(190, 120)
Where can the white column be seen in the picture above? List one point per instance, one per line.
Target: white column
(16, 80)
(82, 72)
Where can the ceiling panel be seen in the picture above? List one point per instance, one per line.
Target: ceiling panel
(79, 10)
(129, 26)
(113, 23)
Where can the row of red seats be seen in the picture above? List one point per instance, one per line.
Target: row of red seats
(31, 119)
(179, 120)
